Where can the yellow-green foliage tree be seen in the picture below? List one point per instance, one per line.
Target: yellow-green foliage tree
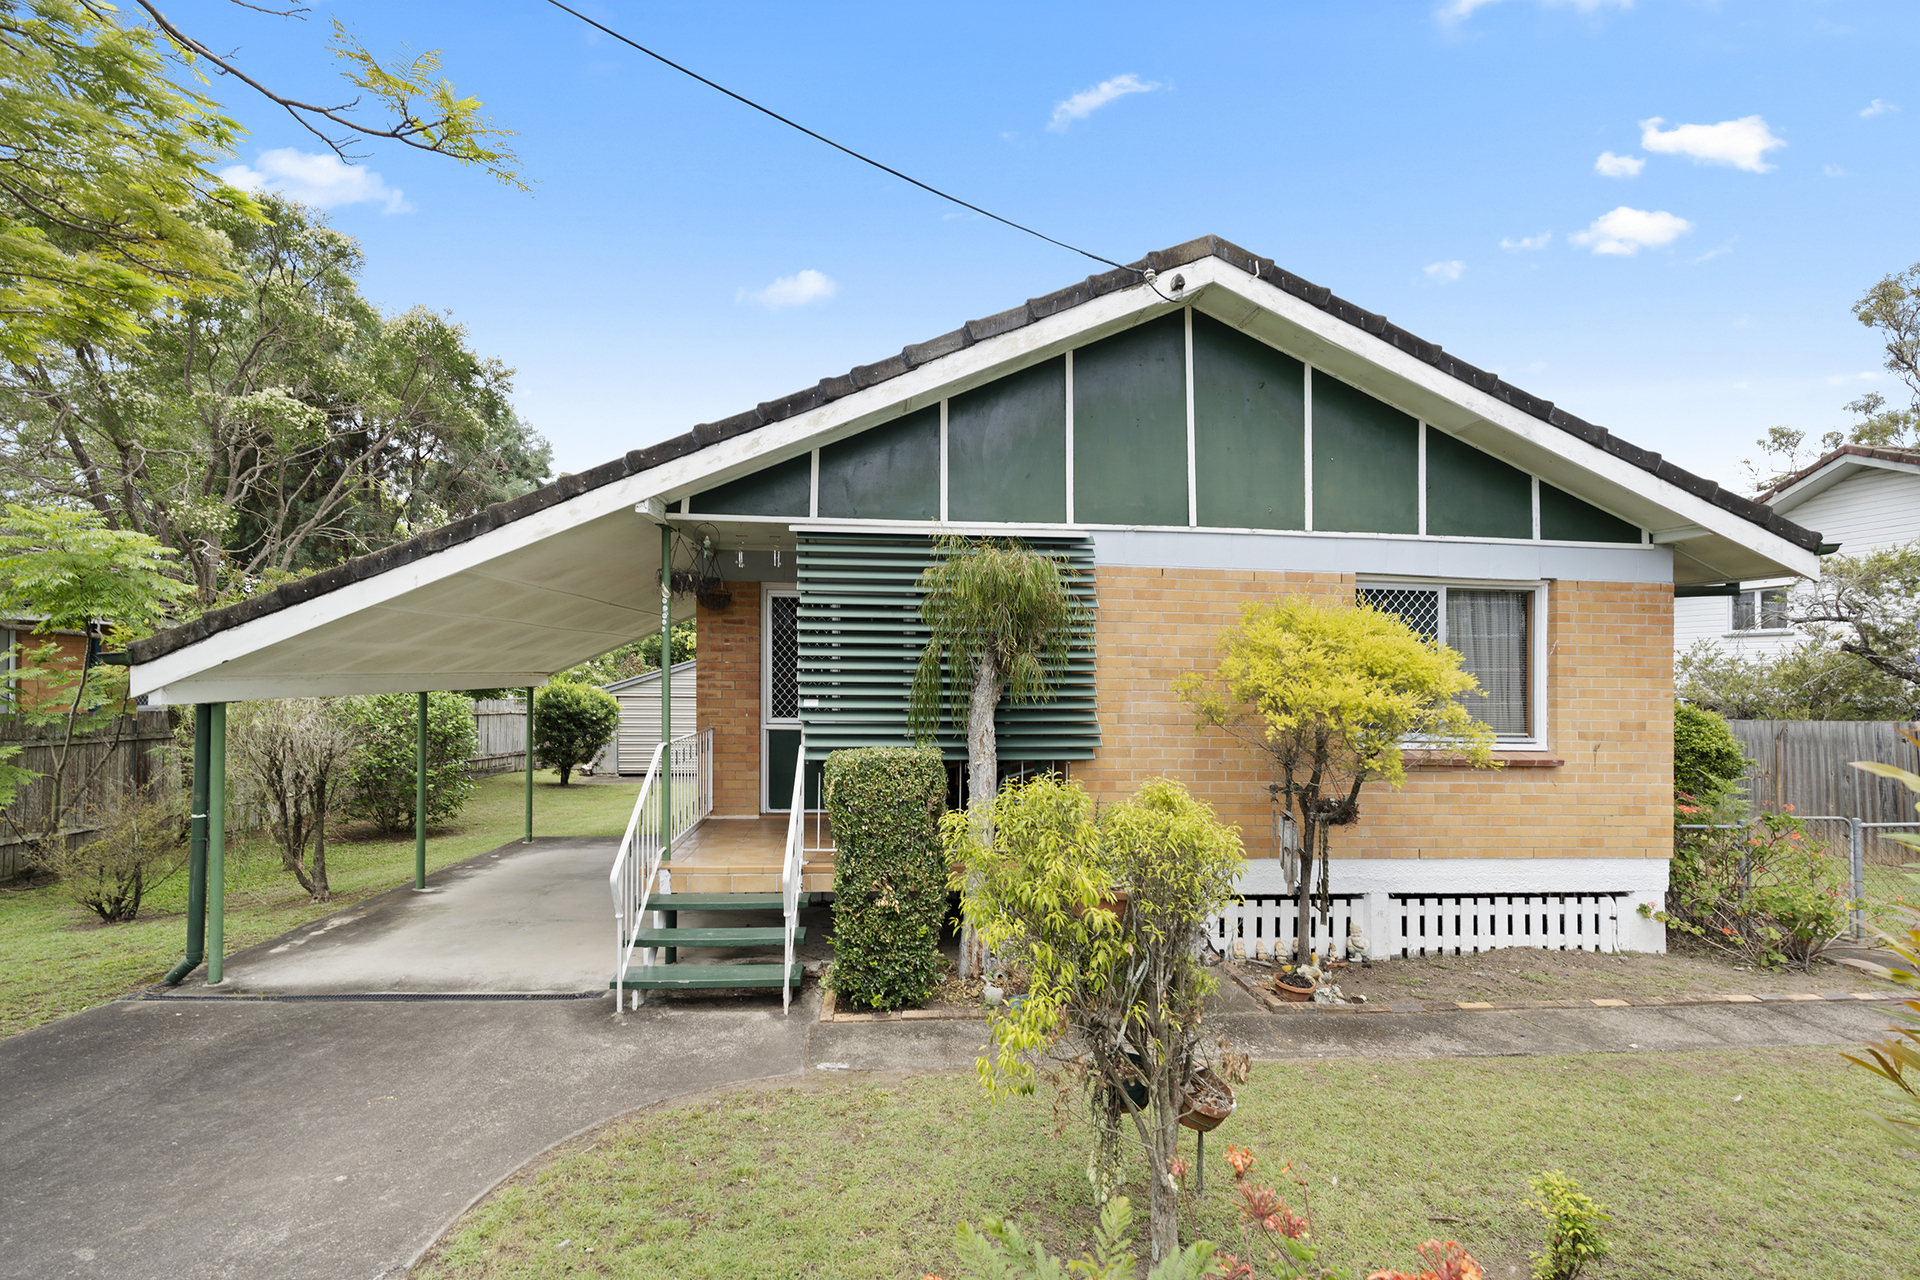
(1897, 1058)
(1332, 697)
(1106, 910)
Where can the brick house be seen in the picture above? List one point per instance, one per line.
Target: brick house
(1197, 432)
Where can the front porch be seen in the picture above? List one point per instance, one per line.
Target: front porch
(743, 855)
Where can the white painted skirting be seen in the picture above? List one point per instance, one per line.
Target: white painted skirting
(1467, 904)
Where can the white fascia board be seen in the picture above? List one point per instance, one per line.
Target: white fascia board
(215, 689)
(1841, 468)
(1543, 436)
(618, 497)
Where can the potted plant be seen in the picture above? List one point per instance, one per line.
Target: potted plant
(1297, 985)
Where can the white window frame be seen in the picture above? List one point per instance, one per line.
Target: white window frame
(1537, 648)
(1733, 602)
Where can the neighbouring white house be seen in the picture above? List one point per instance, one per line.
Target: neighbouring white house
(1861, 499)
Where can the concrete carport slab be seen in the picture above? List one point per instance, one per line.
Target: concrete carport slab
(524, 918)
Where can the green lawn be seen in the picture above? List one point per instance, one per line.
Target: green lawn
(1750, 1164)
(59, 959)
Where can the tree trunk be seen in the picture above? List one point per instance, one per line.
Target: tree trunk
(983, 782)
(1164, 1216)
(322, 891)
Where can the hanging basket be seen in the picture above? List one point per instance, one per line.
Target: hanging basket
(1205, 1101)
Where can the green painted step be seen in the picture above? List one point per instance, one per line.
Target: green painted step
(773, 936)
(655, 977)
(721, 901)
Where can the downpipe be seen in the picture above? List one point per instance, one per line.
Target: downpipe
(197, 848)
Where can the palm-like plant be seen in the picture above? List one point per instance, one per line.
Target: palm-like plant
(1000, 618)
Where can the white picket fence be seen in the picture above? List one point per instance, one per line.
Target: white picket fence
(1440, 924)
(1261, 926)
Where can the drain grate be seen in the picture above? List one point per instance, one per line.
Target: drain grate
(380, 997)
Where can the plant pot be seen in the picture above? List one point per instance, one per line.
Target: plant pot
(1205, 1101)
(992, 994)
(1299, 995)
(1113, 902)
(1136, 1090)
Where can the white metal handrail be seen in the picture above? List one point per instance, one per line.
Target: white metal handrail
(793, 870)
(649, 841)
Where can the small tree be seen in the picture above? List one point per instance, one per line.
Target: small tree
(572, 723)
(384, 777)
(1332, 696)
(295, 754)
(1707, 760)
(1107, 911)
(1874, 602)
(1000, 618)
(139, 844)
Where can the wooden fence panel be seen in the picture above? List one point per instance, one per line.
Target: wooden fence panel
(1808, 764)
(134, 750)
(500, 725)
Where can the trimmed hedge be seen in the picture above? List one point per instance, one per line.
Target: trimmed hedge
(889, 880)
(1707, 759)
(571, 724)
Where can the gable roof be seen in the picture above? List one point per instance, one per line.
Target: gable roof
(1792, 490)
(755, 437)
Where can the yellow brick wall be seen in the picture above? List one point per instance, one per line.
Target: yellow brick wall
(729, 697)
(1609, 713)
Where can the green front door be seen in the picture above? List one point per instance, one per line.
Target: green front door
(783, 749)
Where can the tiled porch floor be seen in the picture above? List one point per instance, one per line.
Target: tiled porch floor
(742, 855)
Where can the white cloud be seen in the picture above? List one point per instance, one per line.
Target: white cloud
(796, 290)
(322, 180)
(1446, 272)
(1610, 165)
(1833, 171)
(1878, 107)
(1742, 143)
(1457, 10)
(1711, 254)
(1626, 231)
(1843, 379)
(1087, 101)
(1527, 242)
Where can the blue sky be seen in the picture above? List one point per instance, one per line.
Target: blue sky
(1481, 171)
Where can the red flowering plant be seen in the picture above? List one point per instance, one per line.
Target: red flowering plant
(1755, 887)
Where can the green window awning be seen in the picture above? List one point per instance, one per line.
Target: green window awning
(860, 638)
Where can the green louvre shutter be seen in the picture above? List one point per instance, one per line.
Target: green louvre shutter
(861, 637)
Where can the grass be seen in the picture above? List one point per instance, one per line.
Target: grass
(60, 959)
(1750, 1163)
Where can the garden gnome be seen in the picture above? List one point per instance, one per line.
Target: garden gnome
(1356, 942)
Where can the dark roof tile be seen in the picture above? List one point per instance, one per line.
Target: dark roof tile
(919, 353)
(994, 325)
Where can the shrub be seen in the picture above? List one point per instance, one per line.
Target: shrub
(383, 772)
(572, 723)
(140, 843)
(296, 756)
(1574, 1237)
(1707, 759)
(1761, 892)
(889, 878)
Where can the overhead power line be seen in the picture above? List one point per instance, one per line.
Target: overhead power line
(864, 159)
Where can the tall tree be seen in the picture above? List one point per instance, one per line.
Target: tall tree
(1000, 618)
(277, 427)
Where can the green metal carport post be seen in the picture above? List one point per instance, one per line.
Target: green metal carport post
(529, 839)
(196, 849)
(666, 714)
(217, 845)
(420, 797)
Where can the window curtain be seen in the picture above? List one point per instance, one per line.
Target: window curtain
(1489, 629)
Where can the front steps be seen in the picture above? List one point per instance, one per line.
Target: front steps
(685, 977)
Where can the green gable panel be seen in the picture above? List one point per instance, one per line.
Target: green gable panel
(1007, 448)
(1130, 426)
(1471, 494)
(1564, 518)
(1249, 424)
(1366, 462)
(783, 489)
(887, 473)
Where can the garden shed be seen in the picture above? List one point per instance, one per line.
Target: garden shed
(1194, 433)
(639, 697)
